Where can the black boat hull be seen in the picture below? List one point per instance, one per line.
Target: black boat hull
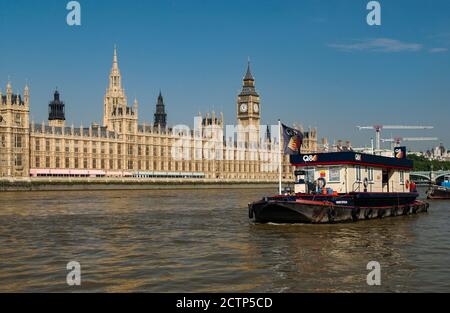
(360, 199)
(317, 212)
(439, 193)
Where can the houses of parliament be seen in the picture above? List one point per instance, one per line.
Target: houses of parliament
(122, 147)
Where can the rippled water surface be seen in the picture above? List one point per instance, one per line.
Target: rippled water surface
(202, 241)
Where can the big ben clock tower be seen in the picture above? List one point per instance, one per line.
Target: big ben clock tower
(248, 110)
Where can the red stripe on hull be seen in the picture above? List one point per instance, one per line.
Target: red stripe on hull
(350, 163)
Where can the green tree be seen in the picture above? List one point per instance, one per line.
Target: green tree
(423, 164)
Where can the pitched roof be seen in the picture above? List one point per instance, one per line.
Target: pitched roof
(248, 75)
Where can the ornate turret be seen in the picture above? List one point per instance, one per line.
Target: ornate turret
(160, 114)
(268, 134)
(135, 105)
(11, 99)
(117, 115)
(8, 87)
(14, 128)
(8, 93)
(56, 111)
(26, 95)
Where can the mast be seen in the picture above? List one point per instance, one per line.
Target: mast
(279, 158)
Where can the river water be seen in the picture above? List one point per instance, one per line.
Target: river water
(202, 241)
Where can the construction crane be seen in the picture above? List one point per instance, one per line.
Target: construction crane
(378, 129)
(398, 140)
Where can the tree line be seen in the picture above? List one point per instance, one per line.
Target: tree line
(423, 164)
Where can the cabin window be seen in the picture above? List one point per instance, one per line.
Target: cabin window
(358, 173)
(309, 175)
(370, 174)
(334, 175)
(402, 177)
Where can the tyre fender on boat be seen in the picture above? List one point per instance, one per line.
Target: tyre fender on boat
(423, 208)
(393, 211)
(396, 211)
(250, 211)
(331, 214)
(355, 214)
(368, 213)
(406, 209)
(381, 213)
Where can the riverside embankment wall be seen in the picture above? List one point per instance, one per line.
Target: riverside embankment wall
(47, 184)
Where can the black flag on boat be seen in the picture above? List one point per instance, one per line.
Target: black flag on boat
(293, 139)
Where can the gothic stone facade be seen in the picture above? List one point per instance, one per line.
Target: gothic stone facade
(14, 133)
(123, 147)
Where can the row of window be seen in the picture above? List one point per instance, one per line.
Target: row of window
(156, 151)
(101, 164)
(17, 141)
(335, 172)
(369, 174)
(169, 175)
(161, 142)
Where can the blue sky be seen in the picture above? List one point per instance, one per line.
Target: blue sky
(316, 62)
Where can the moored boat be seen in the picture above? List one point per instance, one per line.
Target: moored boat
(343, 187)
(441, 191)
(297, 210)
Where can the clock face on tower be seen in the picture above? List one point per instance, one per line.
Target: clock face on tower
(256, 107)
(243, 108)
